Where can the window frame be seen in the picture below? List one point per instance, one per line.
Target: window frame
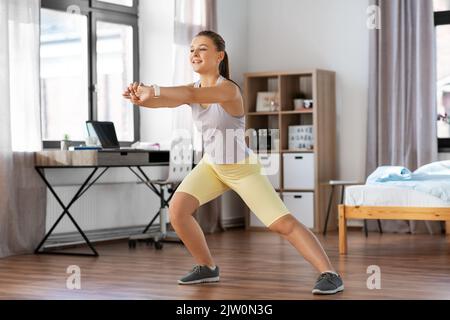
(97, 11)
(442, 18)
(115, 7)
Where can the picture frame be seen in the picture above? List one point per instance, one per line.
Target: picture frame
(300, 137)
(267, 101)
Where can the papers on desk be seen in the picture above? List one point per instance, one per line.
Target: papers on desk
(72, 148)
(146, 145)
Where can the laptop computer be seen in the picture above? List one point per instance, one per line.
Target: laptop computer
(106, 134)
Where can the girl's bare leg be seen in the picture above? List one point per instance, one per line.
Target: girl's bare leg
(182, 207)
(303, 240)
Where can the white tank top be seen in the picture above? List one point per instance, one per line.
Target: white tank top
(223, 134)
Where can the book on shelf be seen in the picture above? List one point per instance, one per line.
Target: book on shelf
(264, 139)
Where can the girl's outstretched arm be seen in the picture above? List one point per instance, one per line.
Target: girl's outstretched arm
(143, 96)
(175, 96)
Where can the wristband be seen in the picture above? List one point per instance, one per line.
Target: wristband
(156, 90)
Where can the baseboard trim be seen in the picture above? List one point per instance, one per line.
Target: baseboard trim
(74, 238)
(233, 222)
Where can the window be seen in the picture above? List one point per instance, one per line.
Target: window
(88, 56)
(442, 23)
(64, 74)
(114, 66)
(128, 3)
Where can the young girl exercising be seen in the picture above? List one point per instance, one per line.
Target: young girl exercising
(217, 107)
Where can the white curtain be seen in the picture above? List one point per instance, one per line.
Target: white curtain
(191, 17)
(22, 193)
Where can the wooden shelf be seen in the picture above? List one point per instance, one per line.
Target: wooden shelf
(276, 113)
(284, 151)
(315, 84)
(297, 151)
(273, 113)
(310, 110)
(267, 151)
(280, 73)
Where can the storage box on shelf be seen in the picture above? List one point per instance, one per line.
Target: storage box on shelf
(298, 171)
(309, 161)
(301, 205)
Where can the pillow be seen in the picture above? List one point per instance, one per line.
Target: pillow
(438, 167)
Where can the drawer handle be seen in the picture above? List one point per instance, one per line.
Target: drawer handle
(298, 157)
(264, 158)
(297, 196)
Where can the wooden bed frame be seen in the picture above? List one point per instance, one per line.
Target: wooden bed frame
(388, 213)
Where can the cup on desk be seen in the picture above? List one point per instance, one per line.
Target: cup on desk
(91, 141)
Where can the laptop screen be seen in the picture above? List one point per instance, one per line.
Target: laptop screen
(105, 132)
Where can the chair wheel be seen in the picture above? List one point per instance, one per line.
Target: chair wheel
(131, 244)
(158, 245)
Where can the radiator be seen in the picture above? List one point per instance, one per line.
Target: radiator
(103, 206)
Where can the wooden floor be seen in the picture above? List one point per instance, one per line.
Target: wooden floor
(254, 265)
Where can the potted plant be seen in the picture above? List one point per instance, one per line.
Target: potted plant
(299, 100)
(65, 142)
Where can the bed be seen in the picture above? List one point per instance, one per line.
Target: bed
(389, 202)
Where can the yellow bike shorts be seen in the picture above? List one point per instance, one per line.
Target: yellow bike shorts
(246, 177)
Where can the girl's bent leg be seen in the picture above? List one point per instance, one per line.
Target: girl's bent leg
(182, 207)
(303, 240)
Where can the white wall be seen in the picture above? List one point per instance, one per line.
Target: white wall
(232, 25)
(443, 156)
(328, 34)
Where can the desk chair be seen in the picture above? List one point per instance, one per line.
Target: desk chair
(343, 184)
(180, 164)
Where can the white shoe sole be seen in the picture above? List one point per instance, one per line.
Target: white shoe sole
(338, 289)
(205, 280)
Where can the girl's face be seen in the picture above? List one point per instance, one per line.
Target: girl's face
(204, 56)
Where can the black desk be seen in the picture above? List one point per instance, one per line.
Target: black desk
(93, 159)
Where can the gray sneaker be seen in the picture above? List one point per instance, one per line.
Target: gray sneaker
(328, 283)
(200, 274)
